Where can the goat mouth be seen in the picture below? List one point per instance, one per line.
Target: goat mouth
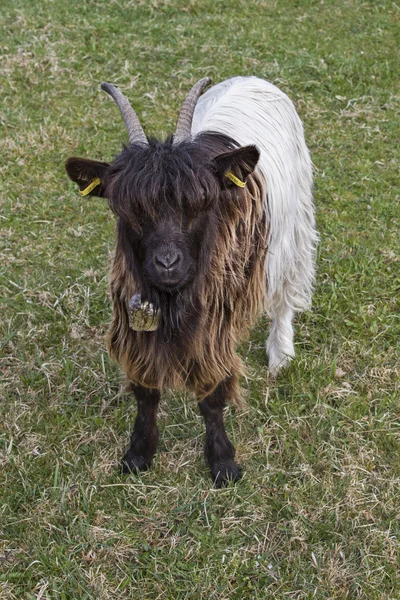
(170, 287)
(172, 284)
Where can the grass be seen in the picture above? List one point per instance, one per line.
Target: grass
(317, 512)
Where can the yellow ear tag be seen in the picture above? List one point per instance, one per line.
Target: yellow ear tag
(235, 179)
(93, 184)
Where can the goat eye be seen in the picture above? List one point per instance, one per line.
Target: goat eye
(188, 222)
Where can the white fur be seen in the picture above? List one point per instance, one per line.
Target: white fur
(254, 111)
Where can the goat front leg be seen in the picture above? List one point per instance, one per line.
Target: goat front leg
(219, 450)
(144, 437)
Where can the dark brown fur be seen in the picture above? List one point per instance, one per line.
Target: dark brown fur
(178, 197)
(213, 314)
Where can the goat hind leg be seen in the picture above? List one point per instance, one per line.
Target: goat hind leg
(280, 348)
(144, 437)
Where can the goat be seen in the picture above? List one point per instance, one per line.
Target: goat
(215, 226)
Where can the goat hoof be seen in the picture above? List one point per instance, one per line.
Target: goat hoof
(132, 463)
(224, 472)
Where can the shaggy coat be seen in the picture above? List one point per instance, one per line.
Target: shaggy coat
(214, 227)
(195, 345)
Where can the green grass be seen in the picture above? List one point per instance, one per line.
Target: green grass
(317, 512)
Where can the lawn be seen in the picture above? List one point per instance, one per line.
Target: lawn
(317, 513)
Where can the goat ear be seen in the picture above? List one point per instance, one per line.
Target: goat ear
(90, 175)
(240, 163)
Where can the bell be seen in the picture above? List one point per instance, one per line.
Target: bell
(142, 315)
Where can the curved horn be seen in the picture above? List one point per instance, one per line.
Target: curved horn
(184, 126)
(132, 123)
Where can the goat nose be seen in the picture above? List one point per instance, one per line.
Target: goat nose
(169, 259)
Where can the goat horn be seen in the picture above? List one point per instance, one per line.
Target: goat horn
(132, 123)
(184, 126)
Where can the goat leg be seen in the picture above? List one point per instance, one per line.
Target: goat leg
(144, 437)
(219, 450)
